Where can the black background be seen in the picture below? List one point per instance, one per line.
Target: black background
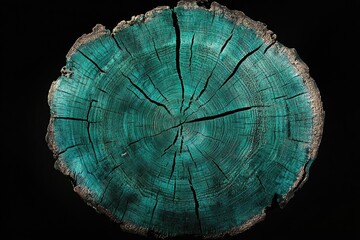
(38, 201)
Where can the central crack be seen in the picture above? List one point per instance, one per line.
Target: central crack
(180, 126)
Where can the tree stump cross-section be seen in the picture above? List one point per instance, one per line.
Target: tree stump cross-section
(182, 121)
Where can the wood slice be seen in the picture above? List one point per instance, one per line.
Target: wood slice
(182, 121)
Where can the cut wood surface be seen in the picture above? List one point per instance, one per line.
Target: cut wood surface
(181, 121)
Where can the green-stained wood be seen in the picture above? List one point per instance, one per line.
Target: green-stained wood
(184, 121)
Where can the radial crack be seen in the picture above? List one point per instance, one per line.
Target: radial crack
(270, 45)
(103, 194)
(154, 135)
(173, 165)
(182, 139)
(92, 61)
(127, 50)
(71, 118)
(181, 144)
(88, 130)
(285, 167)
(153, 210)
(227, 79)
(298, 140)
(190, 177)
(227, 41)
(172, 144)
(224, 114)
(191, 50)
(145, 95)
(297, 95)
(153, 41)
(261, 183)
(191, 156)
(116, 42)
(207, 81)
(217, 165)
(76, 145)
(196, 203)
(217, 61)
(177, 33)
(115, 167)
(101, 90)
(191, 98)
(157, 89)
(288, 127)
(134, 94)
(238, 65)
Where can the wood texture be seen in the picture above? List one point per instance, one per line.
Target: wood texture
(184, 121)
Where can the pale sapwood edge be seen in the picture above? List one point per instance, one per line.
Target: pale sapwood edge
(269, 38)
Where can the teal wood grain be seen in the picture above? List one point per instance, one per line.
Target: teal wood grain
(184, 121)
